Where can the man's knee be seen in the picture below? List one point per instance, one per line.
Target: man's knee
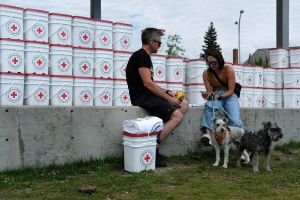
(177, 116)
(184, 106)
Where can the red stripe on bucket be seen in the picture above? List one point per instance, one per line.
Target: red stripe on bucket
(9, 6)
(36, 10)
(140, 135)
(61, 14)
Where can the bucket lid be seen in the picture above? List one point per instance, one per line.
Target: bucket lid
(196, 59)
(140, 134)
(36, 42)
(175, 57)
(36, 10)
(11, 40)
(123, 24)
(84, 48)
(60, 14)
(9, 6)
(81, 17)
(61, 45)
(101, 20)
(103, 49)
(127, 52)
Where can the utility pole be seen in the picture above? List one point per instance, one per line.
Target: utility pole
(96, 9)
(282, 23)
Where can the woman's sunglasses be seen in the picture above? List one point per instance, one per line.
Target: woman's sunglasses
(209, 63)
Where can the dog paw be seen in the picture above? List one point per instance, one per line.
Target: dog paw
(216, 164)
(268, 169)
(225, 166)
(255, 171)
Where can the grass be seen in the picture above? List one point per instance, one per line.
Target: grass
(187, 177)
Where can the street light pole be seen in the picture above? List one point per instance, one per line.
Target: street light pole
(239, 34)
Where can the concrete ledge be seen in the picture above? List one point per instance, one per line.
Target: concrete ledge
(38, 136)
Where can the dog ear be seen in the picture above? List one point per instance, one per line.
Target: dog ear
(214, 119)
(267, 125)
(225, 120)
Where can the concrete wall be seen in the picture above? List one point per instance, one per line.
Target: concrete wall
(38, 136)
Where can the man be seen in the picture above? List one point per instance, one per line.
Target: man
(144, 92)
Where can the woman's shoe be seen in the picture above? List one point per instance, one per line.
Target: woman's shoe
(205, 139)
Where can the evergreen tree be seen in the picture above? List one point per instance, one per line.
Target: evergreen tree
(173, 46)
(210, 40)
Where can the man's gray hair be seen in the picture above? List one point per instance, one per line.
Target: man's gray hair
(150, 34)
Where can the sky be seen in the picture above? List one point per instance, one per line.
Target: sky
(190, 19)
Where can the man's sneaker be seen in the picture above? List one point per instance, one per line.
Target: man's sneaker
(160, 160)
(205, 139)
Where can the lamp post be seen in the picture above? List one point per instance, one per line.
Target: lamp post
(239, 34)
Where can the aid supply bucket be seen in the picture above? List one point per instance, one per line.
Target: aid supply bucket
(104, 63)
(103, 34)
(279, 98)
(291, 77)
(61, 60)
(36, 90)
(122, 36)
(258, 76)
(83, 62)
(194, 70)
(121, 94)
(239, 73)
(103, 92)
(291, 98)
(269, 78)
(247, 98)
(174, 68)
(11, 55)
(120, 63)
(36, 25)
(163, 47)
(36, 57)
(184, 71)
(83, 29)
(194, 95)
(279, 77)
(159, 67)
(258, 100)
(83, 92)
(61, 91)
(12, 89)
(279, 58)
(295, 57)
(269, 98)
(248, 76)
(11, 22)
(139, 151)
(60, 29)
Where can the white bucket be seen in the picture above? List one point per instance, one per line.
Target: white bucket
(83, 31)
(121, 94)
(279, 77)
(269, 98)
(184, 74)
(194, 95)
(258, 100)
(122, 35)
(11, 22)
(120, 63)
(247, 98)
(258, 76)
(239, 73)
(291, 77)
(291, 98)
(36, 90)
(60, 29)
(159, 67)
(36, 25)
(194, 71)
(248, 76)
(103, 34)
(61, 91)
(36, 57)
(174, 69)
(83, 62)
(104, 63)
(279, 98)
(83, 92)
(103, 92)
(295, 57)
(175, 87)
(269, 78)
(139, 152)
(61, 60)
(11, 55)
(11, 90)
(163, 47)
(279, 58)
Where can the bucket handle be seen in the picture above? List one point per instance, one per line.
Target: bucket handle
(272, 102)
(36, 21)
(267, 79)
(193, 76)
(11, 85)
(116, 41)
(33, 90)
(100, 61)
(11, 17)
(61, 25)
(51, 97)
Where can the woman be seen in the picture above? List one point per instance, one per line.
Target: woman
(218, 94)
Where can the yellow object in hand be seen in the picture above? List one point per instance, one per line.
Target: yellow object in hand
(180, 95)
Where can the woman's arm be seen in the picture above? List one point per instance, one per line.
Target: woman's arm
(206, 84)
(231, 82)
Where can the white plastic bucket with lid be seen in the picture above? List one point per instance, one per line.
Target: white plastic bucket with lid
(194, 71)
(193, 93)
(239, 73)
(184, 74)
(258, 76)
(291, 98)
(122, 36)
(269, 98)
(295, 57)
(104, 63)
(60, 29)
(269, 78)
(103, 92)
(11, 22)
(159, 67)
(83, 92)
(139, 152)
(247, 98)
(258, 100)
(120, 63)
(279, 77)
(83, 29)
(248, 76)
(83, 62)
(36, 57)
(291, 77)
(121, 94)
(279, 98)
(36, 90)
(61, 91)
(279, 58)
(36, 25)
(12, 89)
(103, 34)
(61, 60)
(12, 55)
(174, 68)
(163, 47)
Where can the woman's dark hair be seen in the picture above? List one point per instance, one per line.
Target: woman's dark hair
(150, 34)
(216, 54)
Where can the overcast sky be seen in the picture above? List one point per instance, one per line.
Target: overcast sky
(190, 19)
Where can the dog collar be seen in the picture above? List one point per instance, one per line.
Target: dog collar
(222, 136)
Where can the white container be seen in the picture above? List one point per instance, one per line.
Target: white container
(139, 152)
(248, 76)
(291, 77)
(174, 68)
(194, 71)
(103, 34)
(159, 67)
(122, 35)
(291, 98)
(121, 94)
(269, 98)
(83, 92)
(279, 77)
(269, 78)
(120, 63)
(258, 100)
(36, 57)
(83, 29)
(258, 76)
(194, 95)
(103, 92)
(61, 91)
(11, 22)
(36, 25)
(11, 55)
(279, 98)
(11, 90)
(279, 58)
(83, 61)
(60, 29)
(184, 74)
(36, 90)
(163, 47)
(247, 98)
(239, 73)
(104, 63)
(61, 60)
(295, 57)
(175, 87)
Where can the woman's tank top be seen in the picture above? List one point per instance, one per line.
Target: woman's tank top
(214, 83)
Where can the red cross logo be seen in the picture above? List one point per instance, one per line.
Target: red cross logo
(125, 42)
(85, 37)
(106, 67)
(39, 30)
(63, 34)
(64, 65)
(104, 39)
(159, 72)
(64, 95)
(177, 73)
(147, 158)
(84, 67)
(41, 95)
(14, 27)
(85, 96)
(39, 62)
(125, 97)
(13, 94)
(105, 97)
(15, 60)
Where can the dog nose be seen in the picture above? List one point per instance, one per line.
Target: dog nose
(281, 136)
(222, 129)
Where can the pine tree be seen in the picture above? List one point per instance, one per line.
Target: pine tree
(210, 40)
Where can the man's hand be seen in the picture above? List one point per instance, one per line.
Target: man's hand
(174, 101)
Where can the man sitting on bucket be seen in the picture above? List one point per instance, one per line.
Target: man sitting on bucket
(145, 93)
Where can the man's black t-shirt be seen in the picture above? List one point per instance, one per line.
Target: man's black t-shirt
(135, 83)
